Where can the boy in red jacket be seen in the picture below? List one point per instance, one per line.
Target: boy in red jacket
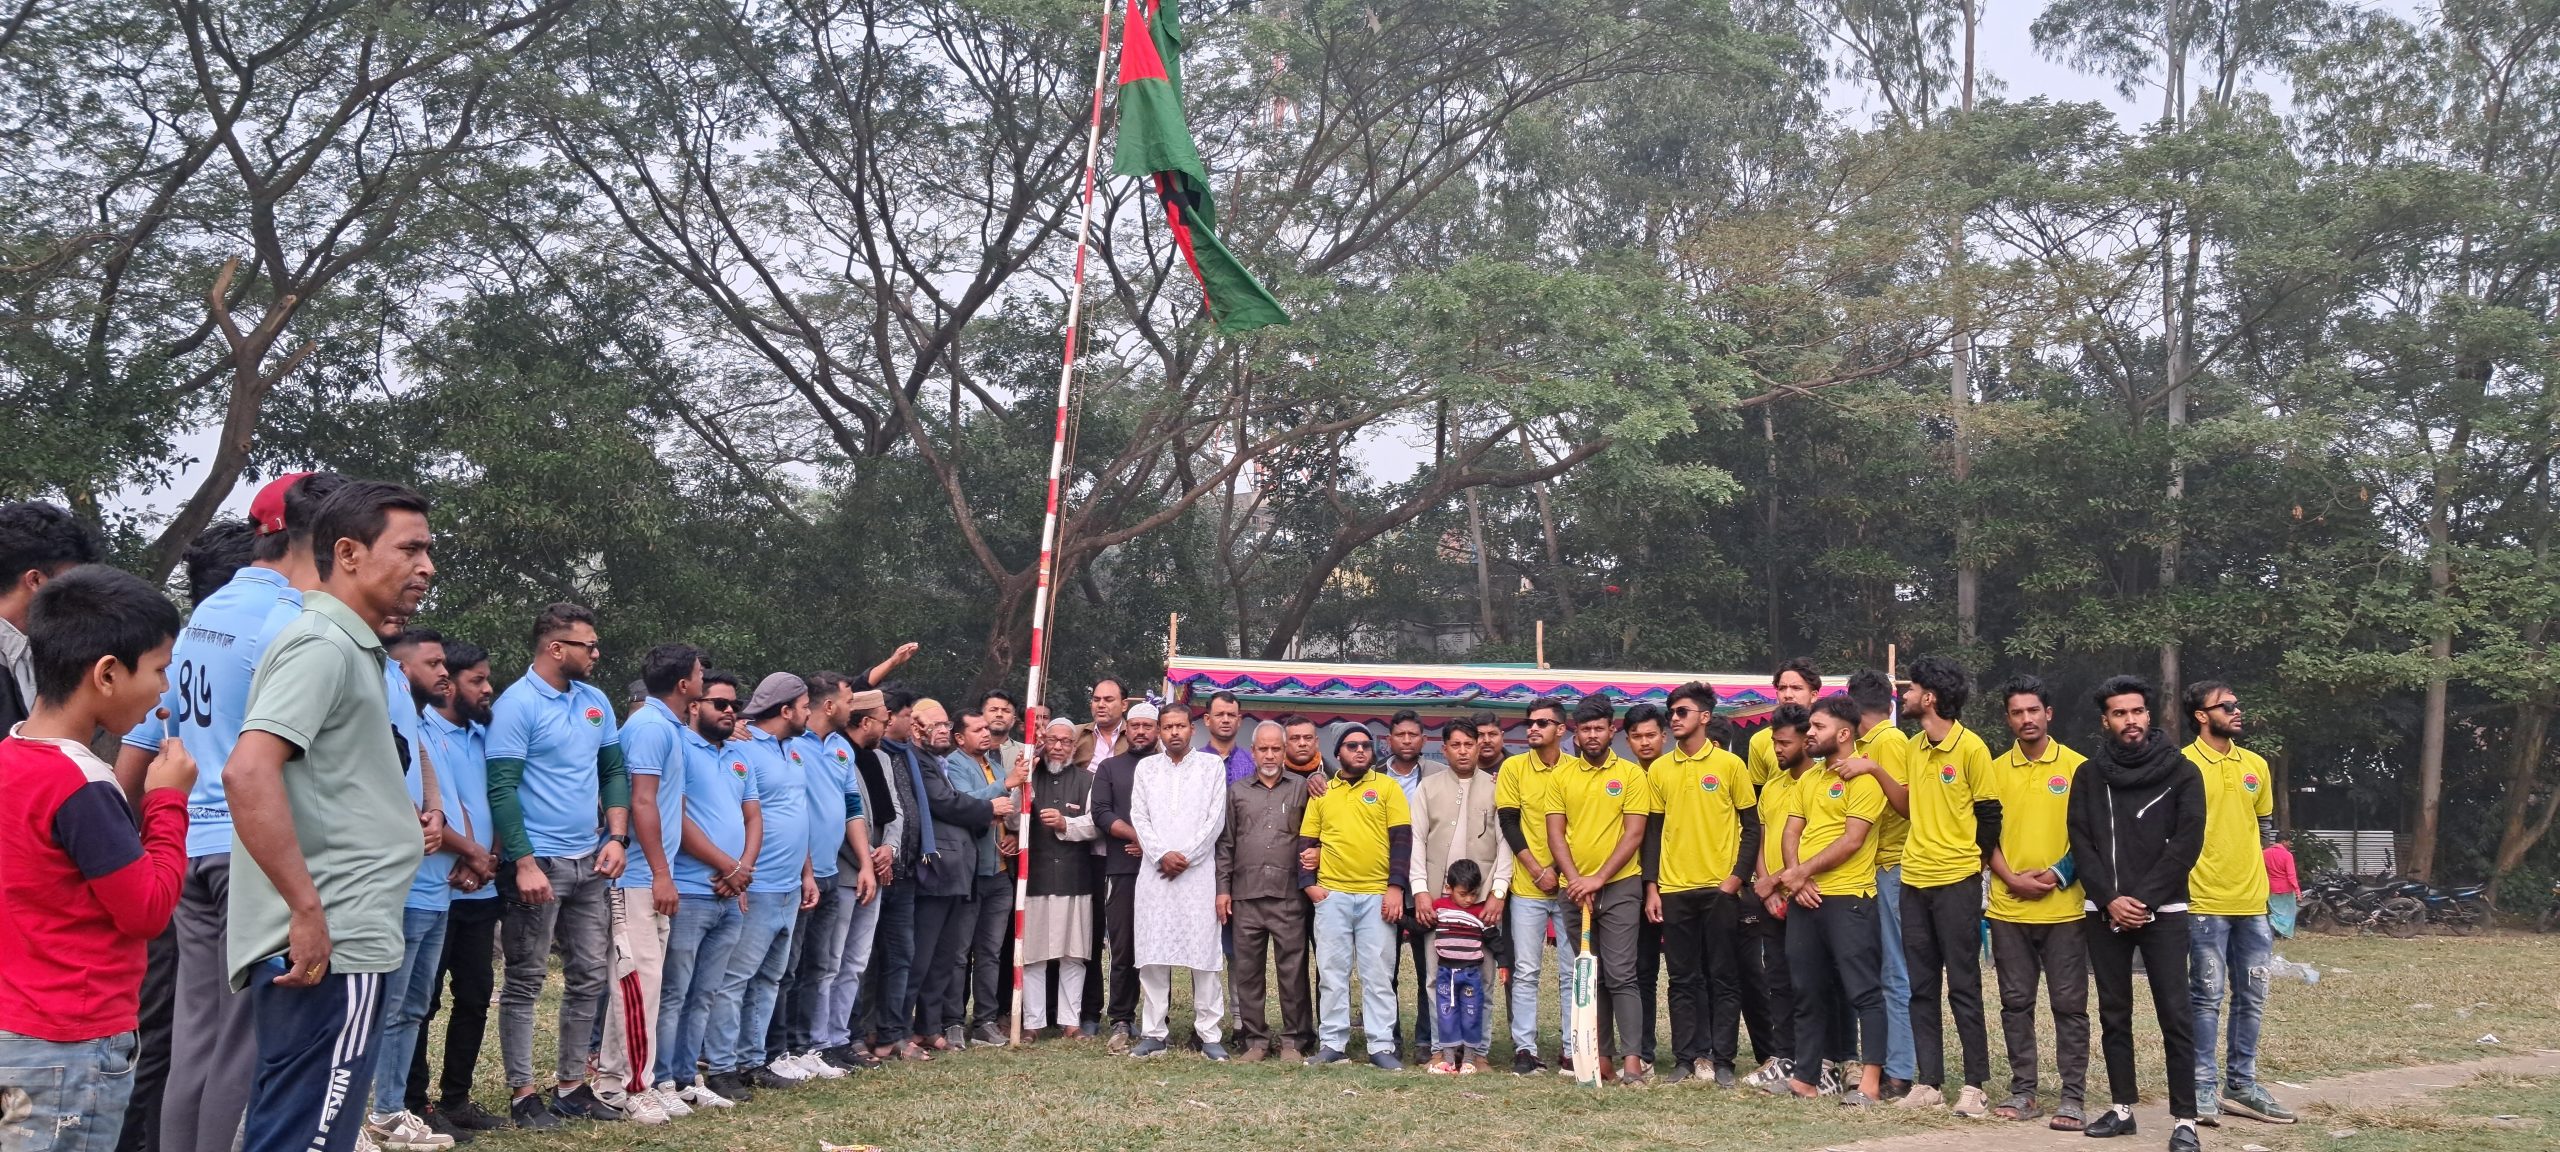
(84, 884)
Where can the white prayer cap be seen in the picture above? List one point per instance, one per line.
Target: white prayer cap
(1061, 722)
(1140, 711)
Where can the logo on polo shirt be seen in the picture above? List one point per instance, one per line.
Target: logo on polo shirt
(1838, 789)
(1613, 787)
(1946, 773)
(1368, 795)
(1709, 782)
(840, 756)
(795, 755)
(595, 716)
(2057, 785)
(2249, 780)
(739, 767)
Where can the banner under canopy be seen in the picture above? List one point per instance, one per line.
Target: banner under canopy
(1326, 693)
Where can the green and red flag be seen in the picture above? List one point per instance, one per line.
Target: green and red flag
(1155, 141)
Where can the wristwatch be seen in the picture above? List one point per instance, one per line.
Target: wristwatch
(620, 839)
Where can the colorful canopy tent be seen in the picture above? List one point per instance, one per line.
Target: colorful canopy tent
(1327, 693)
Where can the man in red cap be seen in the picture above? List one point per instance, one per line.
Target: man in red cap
(214, 1045)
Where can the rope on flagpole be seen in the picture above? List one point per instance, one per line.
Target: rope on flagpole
(1040, 599)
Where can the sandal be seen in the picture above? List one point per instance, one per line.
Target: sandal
(2067, 1118)
(2017, 1108)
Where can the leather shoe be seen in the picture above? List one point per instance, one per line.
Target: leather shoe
(2109, 1123)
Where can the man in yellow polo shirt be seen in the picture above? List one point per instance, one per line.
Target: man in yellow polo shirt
(1593, 809)
(1883, 745)
(1363, 833)
(2035, 907)
(1831, 933)
(1768, 991)
(1533, 905)
(2230, 943)
(1955, 825)
(1796, 682)
(1698, 851)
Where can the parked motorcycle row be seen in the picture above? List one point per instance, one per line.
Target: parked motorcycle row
(2395, 906)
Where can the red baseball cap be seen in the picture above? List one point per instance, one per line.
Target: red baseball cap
(267, 509)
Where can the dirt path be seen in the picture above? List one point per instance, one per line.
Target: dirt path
(2379, 1088)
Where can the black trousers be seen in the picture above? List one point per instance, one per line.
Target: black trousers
(1093, 970)
(1942, 938)
(990, 973)
(942, 962)
(1413, 951)
(1701, 948)
(471, 962)
(2163, 946)
(2059, 954)
(1648, 982)
(1768, 992)
(151, 1046)
(1835, 945)
(1120, 931)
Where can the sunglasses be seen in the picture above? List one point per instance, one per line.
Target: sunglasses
(1544, 723)
(1683, 713)
(2227, 707)
(1351, 746)
(720, 705)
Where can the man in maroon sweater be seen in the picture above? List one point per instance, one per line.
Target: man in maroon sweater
(85, 884)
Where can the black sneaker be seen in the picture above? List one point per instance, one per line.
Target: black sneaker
(441, 1126)
(762, 1077)
(843, 1058)
(580, 1103)
(729, 1086)
(534, 1112)
(1526, 1063)
(990, 1035)
(467, 1113)
(2183, 1139)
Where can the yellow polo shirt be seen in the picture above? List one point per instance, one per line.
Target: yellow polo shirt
(1762, 758)
(2230, 877)
(2035, 832)
(1351, 820)
(1701, 801)
(1595, 799)
(1524, 778)
(1825, 802)
(1947, 776)
(1887, 746)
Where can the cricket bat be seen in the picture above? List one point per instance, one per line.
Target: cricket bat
(1586, 1009)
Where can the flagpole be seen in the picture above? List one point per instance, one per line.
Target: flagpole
(1049, 520)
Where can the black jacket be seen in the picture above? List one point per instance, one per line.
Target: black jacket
(958, 820)
(1112, 781)
(2137, 824)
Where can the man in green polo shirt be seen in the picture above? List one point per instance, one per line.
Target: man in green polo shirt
(321, 815)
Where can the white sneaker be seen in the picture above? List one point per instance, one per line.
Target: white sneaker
(364, 1142)
(788, 1068)
(817, 1066)
(671, 1100)
(702, 1097)
(1971, 1104)
(404, 1132)
(642, 1107)
(1922, 1096)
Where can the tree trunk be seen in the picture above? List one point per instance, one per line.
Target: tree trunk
(2431, 721)
(2523, 829)
(2173, 329)
(1484, 570)
(1547, 527)
(1769, 535)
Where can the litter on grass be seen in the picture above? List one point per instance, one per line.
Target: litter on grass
(2488, 1038)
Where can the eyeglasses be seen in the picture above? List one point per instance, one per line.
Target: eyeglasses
(594, 648)
(720, 705)
(1544, 723)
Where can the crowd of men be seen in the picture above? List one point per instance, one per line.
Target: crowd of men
(325, 825)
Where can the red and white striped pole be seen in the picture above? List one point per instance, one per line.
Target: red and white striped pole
(1049, 520)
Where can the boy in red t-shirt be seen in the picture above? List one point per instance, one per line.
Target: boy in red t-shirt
(84, 884)
(1457, 983)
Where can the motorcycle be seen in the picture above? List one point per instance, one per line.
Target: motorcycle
(2551, 911)
(2389, 907)
(2464, 911)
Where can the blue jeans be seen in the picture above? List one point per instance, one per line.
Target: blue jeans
(1347, 930)
(77, 1090)
(699, 940)
(1527, 920)
(1457, 1003)
(405, 993)
(742, 1006)
(1901, 1055)
(844, 989)
(2218, 946)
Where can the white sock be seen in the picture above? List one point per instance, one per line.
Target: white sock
(2186, 1123)
(2123, 1111)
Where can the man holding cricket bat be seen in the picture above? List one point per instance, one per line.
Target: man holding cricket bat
(1593, 809)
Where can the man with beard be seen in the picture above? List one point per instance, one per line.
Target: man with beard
(1831, 933)
(1593, 809)
(555, 758)
(1362, 835)
(1699, 848)
(1455, 821)
(1768, 994)
(1118, 847)
(1796, 682)
(1955, 824)
(946, 906)
(455, 735)
(1177, 808)
(723, 826)
(856, 719)
(974, 772)
(780, 886)
(893, 992)
(1883, 746)
(1646, 728)
(2231, 941)
(817, 940)
(645, 899)
(1535, 908)
(313, 930)
(1264, 906)
(2035, 910)
(2137, 825)
(418, 654)
(1058, 920)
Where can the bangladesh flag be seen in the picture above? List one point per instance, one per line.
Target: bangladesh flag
(1155, 141)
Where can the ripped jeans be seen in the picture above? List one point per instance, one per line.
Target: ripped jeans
(64, 1097)
(2227, 955)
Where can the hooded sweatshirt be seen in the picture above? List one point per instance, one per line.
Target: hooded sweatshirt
(2137, 824)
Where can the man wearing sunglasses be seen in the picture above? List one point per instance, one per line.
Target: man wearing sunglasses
(1535, 905)
(555, 759)
(1698, 852)
(2229, 941)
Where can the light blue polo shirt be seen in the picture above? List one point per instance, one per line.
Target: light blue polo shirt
(840, 760)
(825, 784)
(653, 745)
(718, 788)
(784, 798)
(208, 696)
(462, 780)
(557, 735)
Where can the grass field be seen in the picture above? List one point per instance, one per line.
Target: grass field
(2380, 1003)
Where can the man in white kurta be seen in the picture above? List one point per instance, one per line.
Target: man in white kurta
(1178, 807)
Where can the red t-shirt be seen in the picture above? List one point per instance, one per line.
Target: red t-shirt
(2280, 875)
(84, 888)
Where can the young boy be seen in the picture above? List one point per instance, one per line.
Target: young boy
(84, 884)
(1457, 983)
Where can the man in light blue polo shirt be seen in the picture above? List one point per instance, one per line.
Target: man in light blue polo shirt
(418, 659)
(555, 757)
(644, 899)
(835, 808)
(723, 824)
(213, 1048)
(456, 734)
(781, 885)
